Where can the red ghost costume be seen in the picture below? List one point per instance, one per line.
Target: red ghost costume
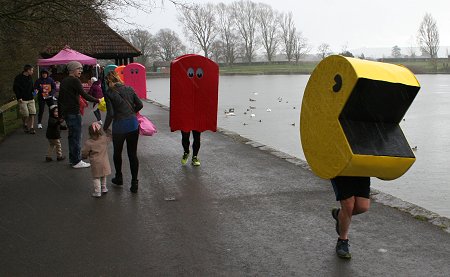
(134, 75)
(194, 88)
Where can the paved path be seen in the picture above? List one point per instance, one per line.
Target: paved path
(244, 212)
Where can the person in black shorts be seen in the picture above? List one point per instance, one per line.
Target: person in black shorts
(353, 193)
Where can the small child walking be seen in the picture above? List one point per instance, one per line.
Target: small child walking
(53, 135)
(96, 149)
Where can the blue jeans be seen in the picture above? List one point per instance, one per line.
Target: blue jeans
(74, 126)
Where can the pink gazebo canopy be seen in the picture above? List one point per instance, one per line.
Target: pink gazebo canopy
(67, 55)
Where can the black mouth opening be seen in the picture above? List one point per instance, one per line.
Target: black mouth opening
(371, 118)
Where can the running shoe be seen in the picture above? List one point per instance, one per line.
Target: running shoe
(184, 159)
(82, 164)
(195, 161)
(343, 249)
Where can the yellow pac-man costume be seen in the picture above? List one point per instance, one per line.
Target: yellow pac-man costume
(350, 115)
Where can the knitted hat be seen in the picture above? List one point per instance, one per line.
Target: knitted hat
(53, 107)
(71, 66)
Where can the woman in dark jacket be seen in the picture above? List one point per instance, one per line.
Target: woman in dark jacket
(122, 104)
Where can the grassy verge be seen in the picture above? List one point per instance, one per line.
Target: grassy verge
(416, 66)
(307, 67)
(257, 68)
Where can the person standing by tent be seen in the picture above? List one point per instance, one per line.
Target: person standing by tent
(23, 88)
(69, 108)
(46, 88)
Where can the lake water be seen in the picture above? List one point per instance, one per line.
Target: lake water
(267, 110)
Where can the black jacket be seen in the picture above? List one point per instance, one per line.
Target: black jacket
(121, 102)
(23, 87)
(69, 96)
(53, 128)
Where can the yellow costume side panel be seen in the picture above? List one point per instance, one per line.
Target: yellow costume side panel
(322, 138)
(383, 167)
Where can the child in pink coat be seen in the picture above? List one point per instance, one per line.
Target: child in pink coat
(96, 149)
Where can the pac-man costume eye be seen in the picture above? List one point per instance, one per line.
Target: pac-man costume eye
(338, 85)
(350, 115)
(190, 72)
(199, 73)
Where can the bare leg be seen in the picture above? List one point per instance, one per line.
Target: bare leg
(349, 207)
(345, 216)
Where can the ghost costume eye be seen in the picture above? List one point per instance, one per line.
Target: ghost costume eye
(190, 72)
(199, 73)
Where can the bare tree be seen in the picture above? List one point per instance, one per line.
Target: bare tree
(199, 22)
(323, 50)
(245, 16)
(142, 40)
(301, 47)
(218, 51)
(288, 31)
(227, 32)
(428, 37)
(168, 45)
(268, 25)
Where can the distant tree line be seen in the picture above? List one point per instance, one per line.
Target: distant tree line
(226, 34)
(237, 31)
(165, 45)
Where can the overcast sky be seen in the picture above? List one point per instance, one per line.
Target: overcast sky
(355, 23)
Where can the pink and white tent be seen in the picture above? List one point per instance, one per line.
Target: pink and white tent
(66, 55)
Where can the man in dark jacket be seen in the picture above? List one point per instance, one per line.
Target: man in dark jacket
(46, 88)
(23, 88)
(69, 109)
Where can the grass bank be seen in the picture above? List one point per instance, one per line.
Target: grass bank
(416, 66)
(265, 68)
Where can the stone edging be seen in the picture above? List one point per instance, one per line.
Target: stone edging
(378, 196)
